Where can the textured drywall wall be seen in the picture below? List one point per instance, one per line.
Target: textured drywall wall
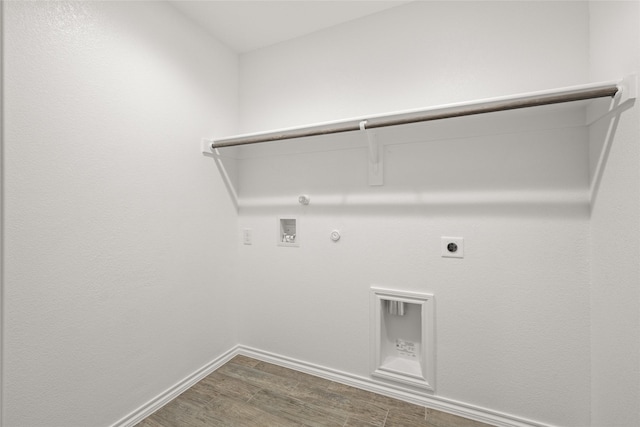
(113, 218)
(414, 56)
(615, 226)
(512, 317)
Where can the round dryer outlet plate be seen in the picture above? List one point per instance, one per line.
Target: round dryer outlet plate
(452, 247)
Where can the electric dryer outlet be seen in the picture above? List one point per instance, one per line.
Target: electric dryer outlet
(452, 247)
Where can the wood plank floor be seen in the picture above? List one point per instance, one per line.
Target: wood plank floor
(248, 392)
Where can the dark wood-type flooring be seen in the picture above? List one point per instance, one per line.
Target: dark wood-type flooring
(248, 392)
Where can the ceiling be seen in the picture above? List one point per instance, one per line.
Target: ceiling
(248, 25)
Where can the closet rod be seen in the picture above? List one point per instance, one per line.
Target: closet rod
(577, 93)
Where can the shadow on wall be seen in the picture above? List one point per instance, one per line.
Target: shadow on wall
(536, 163)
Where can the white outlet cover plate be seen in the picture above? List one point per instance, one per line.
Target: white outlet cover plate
(444, 250)
(247, 236)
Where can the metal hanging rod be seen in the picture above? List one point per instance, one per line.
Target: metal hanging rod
(535, 99)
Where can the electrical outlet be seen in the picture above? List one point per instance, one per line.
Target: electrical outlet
(452, 247)
(247, 237)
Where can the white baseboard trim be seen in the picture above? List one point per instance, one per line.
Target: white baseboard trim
(174, 391)
(472, 412)
(397, 392)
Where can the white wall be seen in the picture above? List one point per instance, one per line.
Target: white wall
(413, 56)
(117, 230)
(120, 239)
(512, 317)
(615, 227)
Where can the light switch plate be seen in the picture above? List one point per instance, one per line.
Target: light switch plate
(452, 247)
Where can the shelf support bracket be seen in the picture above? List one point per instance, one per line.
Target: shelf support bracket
(208, 149)
(629, 88)
(627, 91)
(375, 163)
